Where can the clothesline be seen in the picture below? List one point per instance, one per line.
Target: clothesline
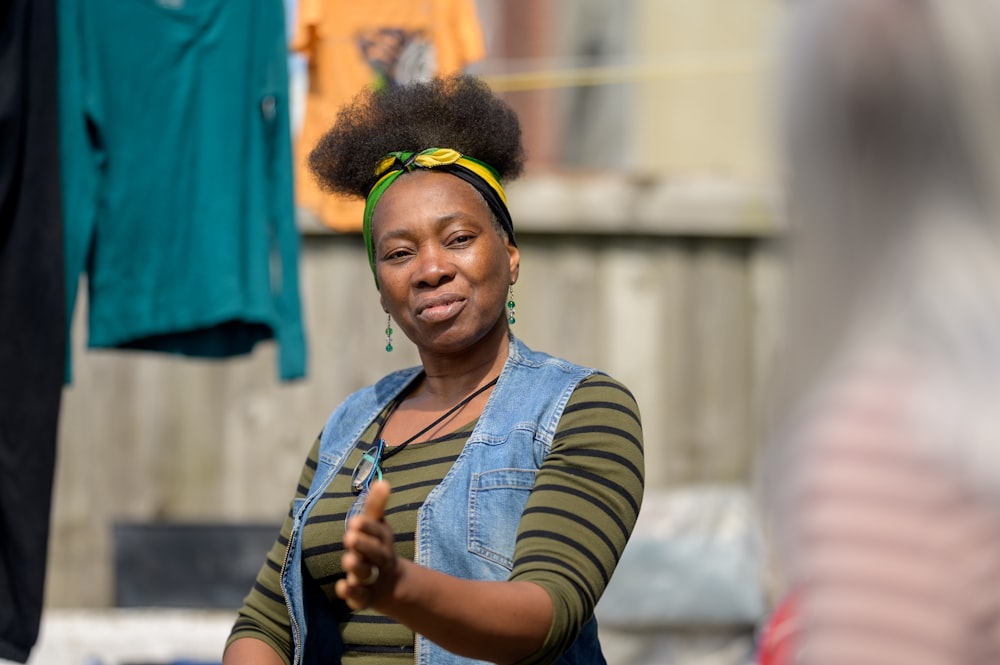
(681, 67)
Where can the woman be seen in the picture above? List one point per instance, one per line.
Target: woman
(887, 470)
(517, 476)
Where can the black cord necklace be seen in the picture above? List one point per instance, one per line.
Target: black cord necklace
(389, 452)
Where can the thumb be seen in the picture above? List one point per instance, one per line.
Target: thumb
(378, 496)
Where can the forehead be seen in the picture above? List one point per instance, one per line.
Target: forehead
(428, 197)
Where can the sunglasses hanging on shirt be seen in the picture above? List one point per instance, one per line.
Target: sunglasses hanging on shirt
(369, 467)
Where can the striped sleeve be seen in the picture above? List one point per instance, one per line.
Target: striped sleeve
(583, 507)
(898, 554)
(264, 615)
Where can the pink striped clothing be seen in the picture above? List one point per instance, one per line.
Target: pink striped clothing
(895, 555)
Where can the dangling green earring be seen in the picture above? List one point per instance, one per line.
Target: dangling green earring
(510, 307)
(388, 333)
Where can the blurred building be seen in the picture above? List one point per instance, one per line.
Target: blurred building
(653, 88)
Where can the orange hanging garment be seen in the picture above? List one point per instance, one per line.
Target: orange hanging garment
(352, 45)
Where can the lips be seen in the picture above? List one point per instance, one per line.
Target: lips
(440, 307)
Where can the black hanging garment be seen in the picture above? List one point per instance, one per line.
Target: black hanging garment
(32, 312)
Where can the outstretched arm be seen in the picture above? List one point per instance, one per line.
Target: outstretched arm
(503, 622)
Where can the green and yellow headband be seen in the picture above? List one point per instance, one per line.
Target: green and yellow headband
(476, 173)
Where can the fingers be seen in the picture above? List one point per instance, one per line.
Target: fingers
(368, 534)
(360, 571)
(357, 596)
(365, 582)
(378, 496)
(369, 556)
(376, 499)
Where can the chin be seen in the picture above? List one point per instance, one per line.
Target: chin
(453, 342)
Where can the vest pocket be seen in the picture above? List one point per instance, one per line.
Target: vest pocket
(496, 501)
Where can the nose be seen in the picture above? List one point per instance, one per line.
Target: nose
(433, 266)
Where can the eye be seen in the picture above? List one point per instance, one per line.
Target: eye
(396, 253)
(461, 239)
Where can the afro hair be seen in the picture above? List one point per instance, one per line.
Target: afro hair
(457, 112)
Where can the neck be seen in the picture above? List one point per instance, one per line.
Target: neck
(451, 376)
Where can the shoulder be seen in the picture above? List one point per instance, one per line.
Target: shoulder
(520, 354)
(853, 431)
(590, 384)
(600, 397)
(860, 410)
(599, 382)
(381, 391)
(362, 406)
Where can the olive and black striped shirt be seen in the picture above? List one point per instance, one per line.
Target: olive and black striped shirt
(578, 518)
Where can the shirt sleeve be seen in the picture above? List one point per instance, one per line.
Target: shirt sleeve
(264, 615)
(583, 507)
(895, 558)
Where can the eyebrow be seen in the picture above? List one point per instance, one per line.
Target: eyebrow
(440, 223)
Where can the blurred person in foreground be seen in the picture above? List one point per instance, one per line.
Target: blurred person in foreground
(517, 477)
(884, 473)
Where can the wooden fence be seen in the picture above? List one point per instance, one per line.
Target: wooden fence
(670, 288)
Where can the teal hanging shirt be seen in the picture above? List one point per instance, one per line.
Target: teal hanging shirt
(177, 176)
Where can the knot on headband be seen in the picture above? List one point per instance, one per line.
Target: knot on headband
(427, 159)
(478, 174)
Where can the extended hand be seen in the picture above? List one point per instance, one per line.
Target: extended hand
(369, 557)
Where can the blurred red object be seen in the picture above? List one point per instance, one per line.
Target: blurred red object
(777, 642)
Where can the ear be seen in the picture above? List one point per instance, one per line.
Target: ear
(381, 301)
(515, 261)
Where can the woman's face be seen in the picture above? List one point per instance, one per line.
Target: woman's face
(443, 269)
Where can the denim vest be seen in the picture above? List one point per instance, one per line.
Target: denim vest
(468, 524)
